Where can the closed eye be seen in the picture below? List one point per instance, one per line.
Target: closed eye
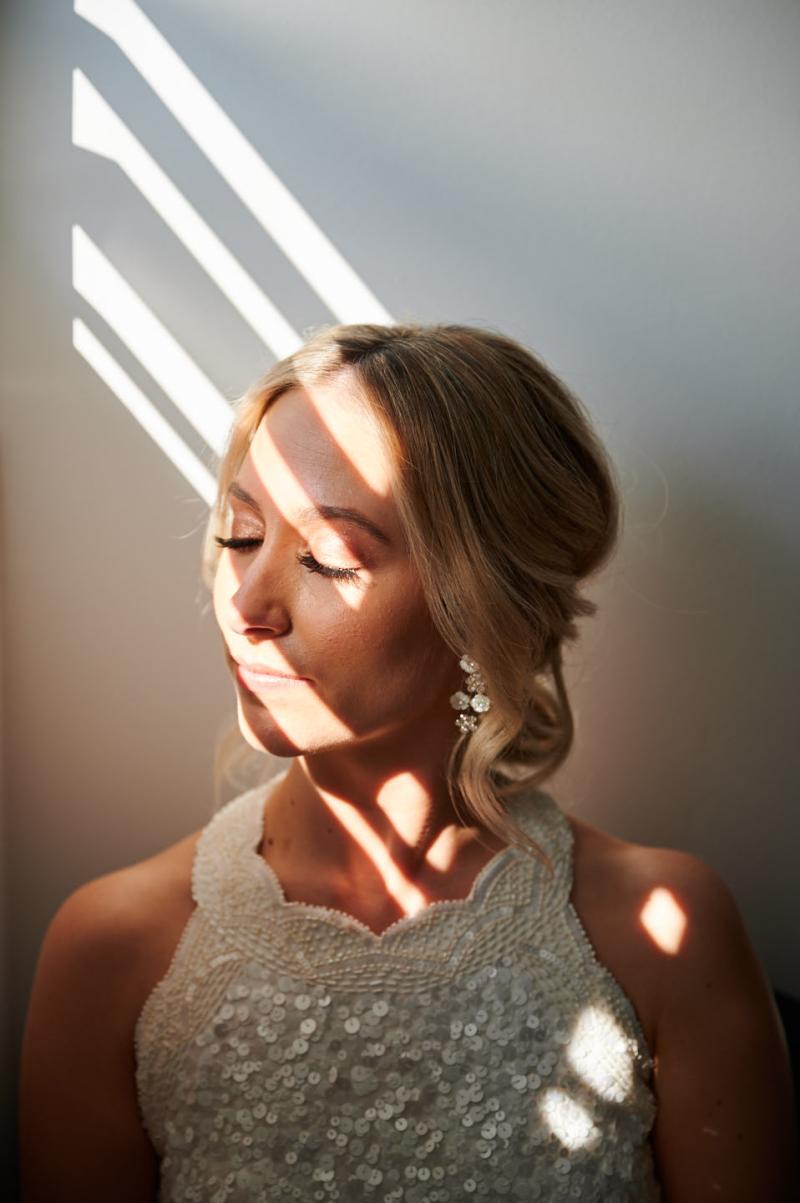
(305, 558)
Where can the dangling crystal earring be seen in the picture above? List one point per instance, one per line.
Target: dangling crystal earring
(476, 685)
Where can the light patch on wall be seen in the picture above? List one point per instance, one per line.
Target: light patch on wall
(145, 413)
(98, 129)
(258, 188)
(99, 283)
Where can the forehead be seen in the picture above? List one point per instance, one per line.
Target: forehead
(321, 445)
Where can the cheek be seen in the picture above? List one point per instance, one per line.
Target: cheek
(216, 594)
(387, 645)
(222, 590)
(394, 648)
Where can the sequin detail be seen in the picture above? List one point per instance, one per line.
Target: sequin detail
(474, 1050)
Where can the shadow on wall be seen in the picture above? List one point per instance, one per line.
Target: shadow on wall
(789, 1009)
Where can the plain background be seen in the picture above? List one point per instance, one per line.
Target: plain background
(615, 185)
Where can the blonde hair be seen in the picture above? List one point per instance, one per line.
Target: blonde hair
(508, 501)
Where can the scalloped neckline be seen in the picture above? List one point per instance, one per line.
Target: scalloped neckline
(343, 919)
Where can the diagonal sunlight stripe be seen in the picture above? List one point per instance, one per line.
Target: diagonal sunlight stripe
(143, 411)
(256, 185)
(137, 326)
(97, 128)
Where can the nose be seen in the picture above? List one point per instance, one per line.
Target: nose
(262, 599)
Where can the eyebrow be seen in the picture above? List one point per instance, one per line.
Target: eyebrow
(320, 511)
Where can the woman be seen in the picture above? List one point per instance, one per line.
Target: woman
(398, 970)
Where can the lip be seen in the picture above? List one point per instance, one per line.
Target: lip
(267, 671)
(256, 677)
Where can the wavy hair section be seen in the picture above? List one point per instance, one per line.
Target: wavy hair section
(509, 503)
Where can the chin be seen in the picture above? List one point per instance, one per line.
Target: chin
(273, 741)
(268, 738)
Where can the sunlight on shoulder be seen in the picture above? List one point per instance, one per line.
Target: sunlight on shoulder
(664, 919)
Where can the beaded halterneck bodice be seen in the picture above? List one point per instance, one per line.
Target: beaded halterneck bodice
(476, 1047)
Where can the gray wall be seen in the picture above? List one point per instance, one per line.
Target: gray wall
(616, 185)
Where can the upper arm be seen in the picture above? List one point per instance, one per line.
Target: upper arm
(725, 1122)
(81, 1136)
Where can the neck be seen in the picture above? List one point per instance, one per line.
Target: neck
(354, 830)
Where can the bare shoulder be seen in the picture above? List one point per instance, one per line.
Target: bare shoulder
(132, 894)
(665, 886)
(128, 922)
(106, 946)
(726, 1122)
(669, 927)
(638, 903)
(684, 911)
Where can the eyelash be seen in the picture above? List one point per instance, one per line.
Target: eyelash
(306, 559)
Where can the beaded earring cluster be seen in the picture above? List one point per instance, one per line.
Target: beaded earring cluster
(472, 697)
